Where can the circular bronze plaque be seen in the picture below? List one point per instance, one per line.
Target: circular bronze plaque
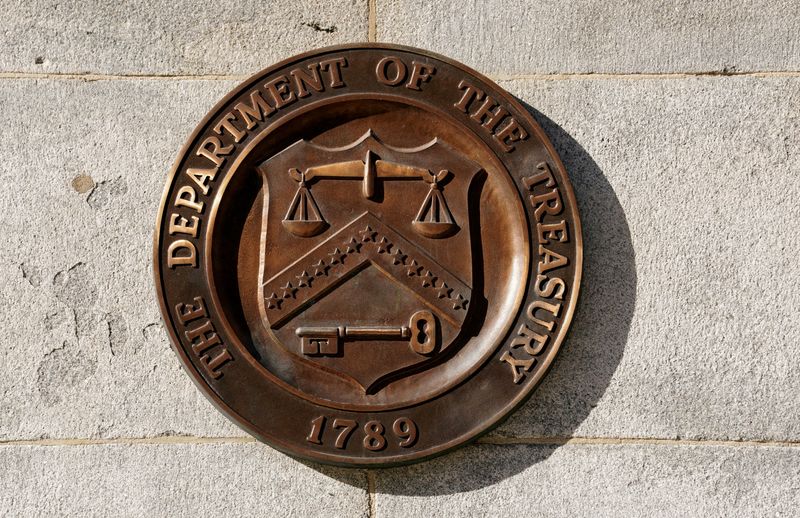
(367, 255)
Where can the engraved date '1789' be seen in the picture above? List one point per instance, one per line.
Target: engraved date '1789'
(374, 439)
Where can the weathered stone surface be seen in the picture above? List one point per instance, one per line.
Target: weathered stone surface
(630, 36)
(172, 480)
(596, 480)
(169, 38)
(688, 322)
(688, 317)
(83, 350)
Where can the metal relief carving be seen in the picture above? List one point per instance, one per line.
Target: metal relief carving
(367, 255)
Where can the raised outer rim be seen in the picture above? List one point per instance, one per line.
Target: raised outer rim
(483, 427)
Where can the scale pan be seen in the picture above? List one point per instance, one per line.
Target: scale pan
(435, 229)
(305, 228)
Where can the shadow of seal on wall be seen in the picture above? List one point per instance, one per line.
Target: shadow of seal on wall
(367, 255)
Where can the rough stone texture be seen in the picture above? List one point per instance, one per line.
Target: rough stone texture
(579, 36)
(597, 481)
(82, 348)
(688, 321)
(172, 480)
(168, 38)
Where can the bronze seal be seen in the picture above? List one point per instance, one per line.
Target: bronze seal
(367, 255)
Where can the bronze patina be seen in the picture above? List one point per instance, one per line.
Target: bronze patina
(367, 255)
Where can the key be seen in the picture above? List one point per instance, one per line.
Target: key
(325, 341)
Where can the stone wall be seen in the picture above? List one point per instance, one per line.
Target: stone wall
(676, 393)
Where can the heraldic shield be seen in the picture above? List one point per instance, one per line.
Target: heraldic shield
(354, 277)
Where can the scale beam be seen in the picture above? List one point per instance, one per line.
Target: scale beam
(368, 170)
